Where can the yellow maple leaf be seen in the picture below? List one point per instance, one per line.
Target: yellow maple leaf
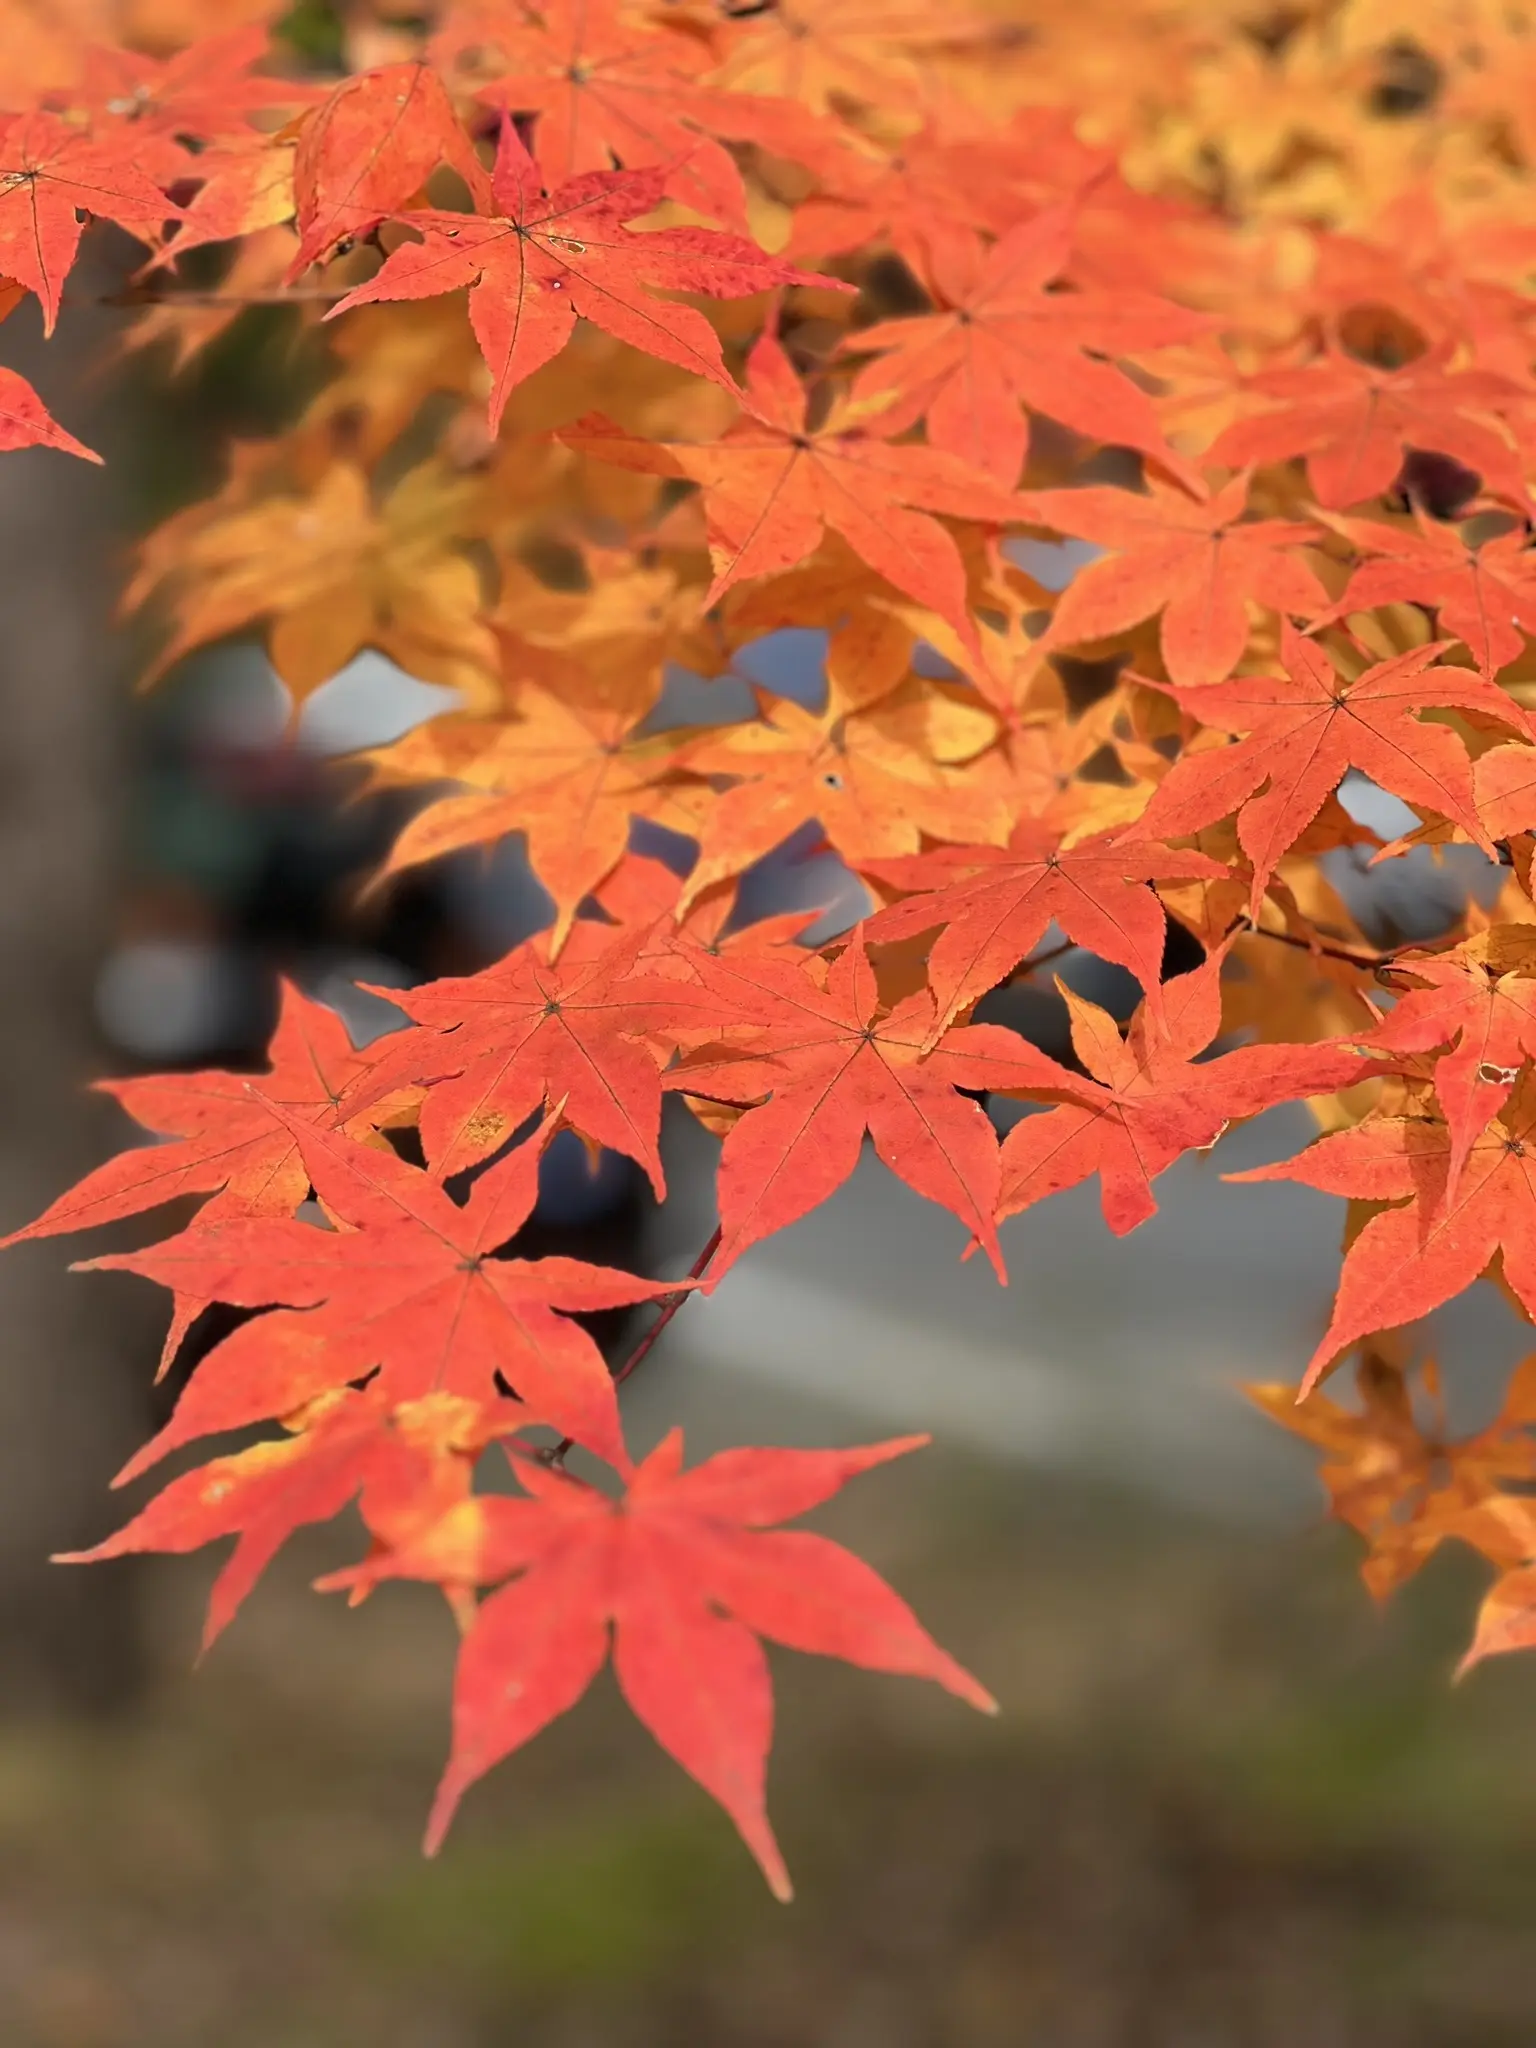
(561, 763)
(877, 779)
(330, 571)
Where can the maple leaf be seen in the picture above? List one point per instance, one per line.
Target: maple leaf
(367, 152)
(1503, 1528)
(564, 766)
(1147, 1099)
(335, 571)
(1047, 749)
(1235, 257)
(228, 1138)
(1479, 594)
(1355, 423)
(1506, 1621)
(821, 1066)
(411, 1462)
(52, 173)
(1409, 1259)
(1194, 559)
(243, 191)
(1403, 1487)
(688, 1573)
(992, 906)
(528, 1033)
(937, 181)
(1437, 270)
(1479, 1002)
(390, 359)
(646, 894)
(772, 486)
(1505, 781)
(1305, 730)
(608, 89)
(25, 422)
(1002, 340)
(205, 93)
(824, 53)
(409, 1288)
(537, 259)
(617, 635)
(870, 635)
(876, 779)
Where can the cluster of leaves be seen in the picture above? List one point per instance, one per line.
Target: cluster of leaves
(850, 316)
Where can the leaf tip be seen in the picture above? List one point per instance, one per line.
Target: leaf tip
(444, 1806)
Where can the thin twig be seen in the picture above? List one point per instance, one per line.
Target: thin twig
(1044, 959)
(1349, 955)
(671, 1303)
(142, 295)
(1368, 959)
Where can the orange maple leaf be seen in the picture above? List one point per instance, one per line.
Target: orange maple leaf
(564, 765)
(773, 485)
(1001, 340)
(1194, 559)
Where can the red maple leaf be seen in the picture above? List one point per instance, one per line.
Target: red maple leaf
(51, 175)
(992, 905)
(411, 1462)
(645, 893)
(687, 1574)
(1481, 595)
(205, 93)
(231, 1131)
(1305, 730)
(609, 89)
(1479, 1003)
(1409, 1259)
(1356, 421)
(408, 1288)
(522, 1035)
(1148, 1099)
(1194, 559)
(820, 1066)
(937, 182)
(772, 486)
(1002, 340)
(367, 152)
(535, 260)
(25, 422)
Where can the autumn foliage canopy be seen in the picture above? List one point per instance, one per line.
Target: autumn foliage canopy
(653, 327)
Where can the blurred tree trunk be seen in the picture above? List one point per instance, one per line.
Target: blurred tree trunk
(71, 1407)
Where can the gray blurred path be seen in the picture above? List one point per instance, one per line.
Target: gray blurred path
(1122, 1358)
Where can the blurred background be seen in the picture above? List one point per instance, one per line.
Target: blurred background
(1227, 1804)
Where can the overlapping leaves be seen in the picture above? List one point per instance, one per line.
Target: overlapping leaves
(1143, 489)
